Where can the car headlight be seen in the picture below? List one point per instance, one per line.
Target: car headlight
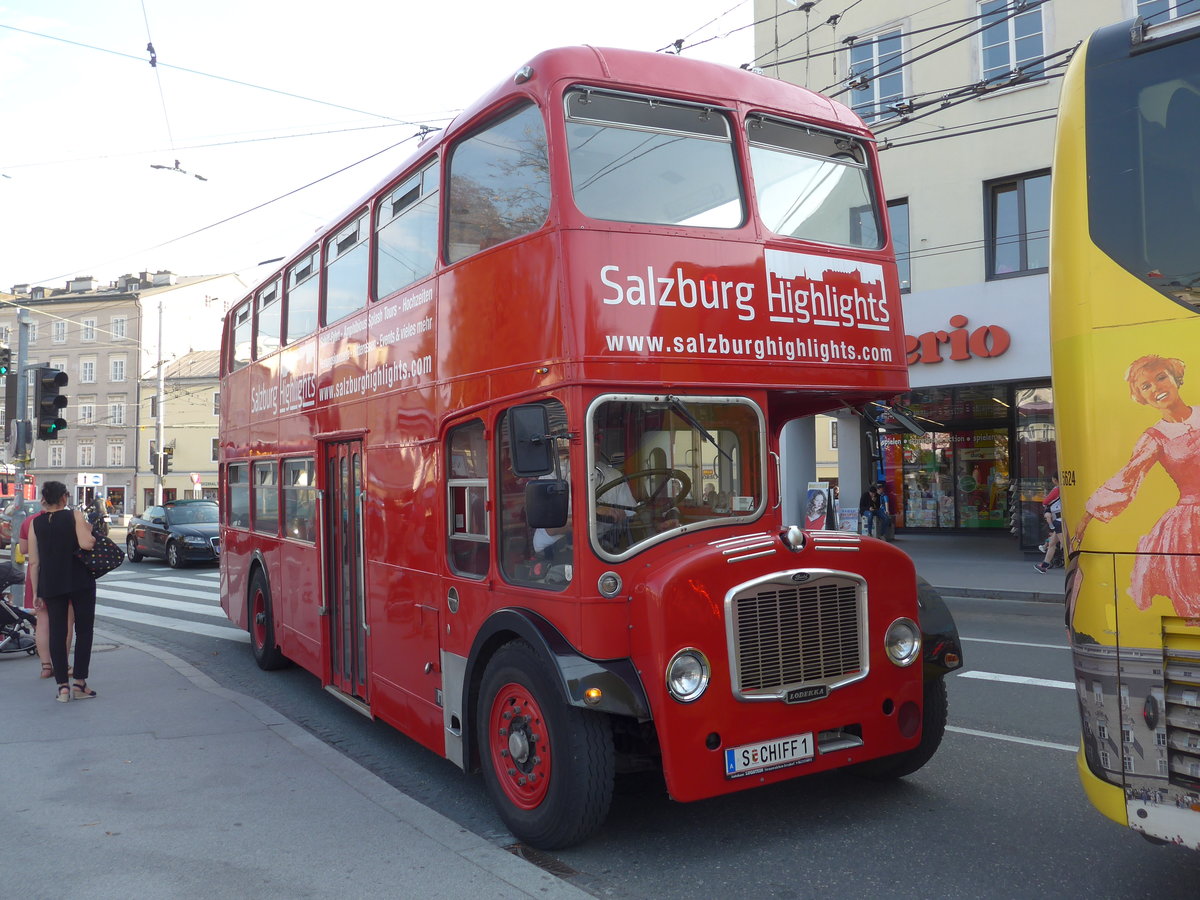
(903, 642)
(195, 541)
(687, 675)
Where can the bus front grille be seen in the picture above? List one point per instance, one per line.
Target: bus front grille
(787, 636)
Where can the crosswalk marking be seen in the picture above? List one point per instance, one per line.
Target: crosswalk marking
(199, 609)
(224, 632)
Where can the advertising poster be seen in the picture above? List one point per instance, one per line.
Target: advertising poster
(816, 509)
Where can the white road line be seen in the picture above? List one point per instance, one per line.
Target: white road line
(228, 633)
(1050, 745)
(1015, 643)
(162, 603)
(1018, 679)
(120, 594)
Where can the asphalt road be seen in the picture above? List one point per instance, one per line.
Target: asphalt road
(998, 813)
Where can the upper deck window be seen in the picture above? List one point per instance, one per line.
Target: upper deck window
(499, 184)
(642, 159)
(304, 293)
(812, 185)
(243, 318)
(269, 303)
(347, 260)
(407, 223)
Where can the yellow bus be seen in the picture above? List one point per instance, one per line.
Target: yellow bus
(1125, 338)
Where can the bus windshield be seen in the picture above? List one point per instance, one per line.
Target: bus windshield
(1143, 127)
(641, 159)
(660, 464)
(812, 185)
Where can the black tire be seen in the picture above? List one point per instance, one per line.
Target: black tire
(132, 550)
(573, 801)
(261, 625)
(933, 726)
(174, 558)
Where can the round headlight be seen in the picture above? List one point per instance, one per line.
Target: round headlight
(903, 642)
(687, 675)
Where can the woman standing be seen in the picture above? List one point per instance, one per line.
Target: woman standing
(62, 583)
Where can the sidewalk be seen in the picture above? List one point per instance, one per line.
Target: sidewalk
(984, 565)
(170, 786)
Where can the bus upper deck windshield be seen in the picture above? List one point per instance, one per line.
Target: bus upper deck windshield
(649, 160)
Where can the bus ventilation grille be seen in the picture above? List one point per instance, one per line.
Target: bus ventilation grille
(790, 636)
(1181, 674)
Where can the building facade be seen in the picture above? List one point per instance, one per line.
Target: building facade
(962, 96)
(109, 340)
(190, 409)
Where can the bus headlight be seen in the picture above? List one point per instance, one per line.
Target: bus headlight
(903, 642)
(687, 675)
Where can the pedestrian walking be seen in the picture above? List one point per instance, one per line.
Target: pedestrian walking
(1052, 513)
(62, 583)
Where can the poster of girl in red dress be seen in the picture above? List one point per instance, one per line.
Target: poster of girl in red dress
(1168, 560)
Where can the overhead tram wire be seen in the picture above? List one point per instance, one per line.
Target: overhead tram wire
(678, 44)
(257, 87)
(238, 215)
(1024, 7)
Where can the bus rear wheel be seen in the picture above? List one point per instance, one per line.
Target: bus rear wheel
(262, 625)
(548, 766)
(933, 727)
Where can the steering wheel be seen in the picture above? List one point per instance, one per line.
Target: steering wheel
(667, 476)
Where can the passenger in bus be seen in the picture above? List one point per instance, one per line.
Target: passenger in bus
(1168, 557)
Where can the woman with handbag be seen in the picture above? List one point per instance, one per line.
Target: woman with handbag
(61, 582)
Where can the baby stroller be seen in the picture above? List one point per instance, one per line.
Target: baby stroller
(16, 624)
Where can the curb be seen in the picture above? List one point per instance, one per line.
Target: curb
(989, 594)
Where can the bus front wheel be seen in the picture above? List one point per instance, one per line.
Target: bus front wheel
(933, 726)
(262, 625)
(548, 766)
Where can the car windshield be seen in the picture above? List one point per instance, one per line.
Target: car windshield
(200, 514)
(669, 463)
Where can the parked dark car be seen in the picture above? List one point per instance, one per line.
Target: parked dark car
(180, 532)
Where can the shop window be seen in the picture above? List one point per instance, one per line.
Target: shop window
(466, 500)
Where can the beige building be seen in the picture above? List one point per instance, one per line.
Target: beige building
(962, 96)
(190, 410)
(108, 339)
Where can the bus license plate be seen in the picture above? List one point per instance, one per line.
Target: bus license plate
(766, 756)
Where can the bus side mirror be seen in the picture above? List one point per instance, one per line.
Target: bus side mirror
(531, 442)
(546, 503)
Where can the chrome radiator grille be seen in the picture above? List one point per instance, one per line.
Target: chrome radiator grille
(785, 636)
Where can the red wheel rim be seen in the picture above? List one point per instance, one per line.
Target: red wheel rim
(258, 619)
(519, 743)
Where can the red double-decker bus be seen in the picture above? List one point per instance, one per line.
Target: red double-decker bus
(500, 448)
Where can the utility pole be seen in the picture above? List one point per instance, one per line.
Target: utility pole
(162, 411)
(22, 442)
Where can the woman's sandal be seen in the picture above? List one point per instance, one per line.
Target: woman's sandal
(80, 691)
(47, 670)
(64, 693)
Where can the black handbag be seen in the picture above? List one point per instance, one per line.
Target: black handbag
(102, 558)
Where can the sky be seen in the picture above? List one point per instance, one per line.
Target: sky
(85, 117)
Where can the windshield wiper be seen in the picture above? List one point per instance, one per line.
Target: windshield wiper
(685, 414)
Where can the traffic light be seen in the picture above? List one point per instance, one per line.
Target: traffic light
(166, 460)
(154, 462)
(5, 360)
(50, 402)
